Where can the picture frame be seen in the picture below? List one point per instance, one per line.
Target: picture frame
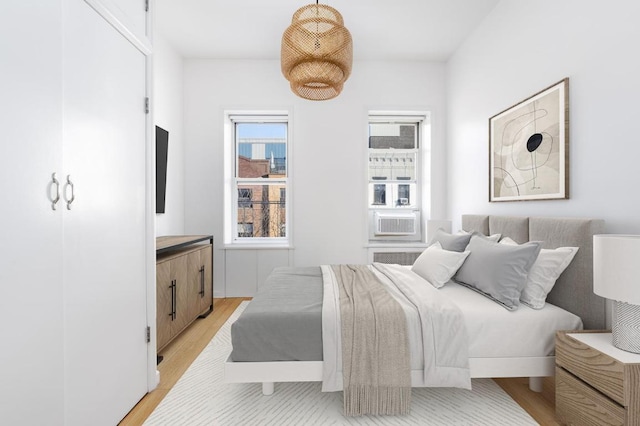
(529, 148)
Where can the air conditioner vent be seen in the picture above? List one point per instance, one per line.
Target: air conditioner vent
(396, 223)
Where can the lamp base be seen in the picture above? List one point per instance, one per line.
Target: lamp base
(626, 327)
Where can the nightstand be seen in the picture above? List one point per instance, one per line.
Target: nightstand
(596, 383)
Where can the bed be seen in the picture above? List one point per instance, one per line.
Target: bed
(496, 349)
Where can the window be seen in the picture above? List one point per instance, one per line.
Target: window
(245, 195)
(398, 184)
(404, 195)
(257, 148)
(379, 194)
(245, 229)
(394, 157)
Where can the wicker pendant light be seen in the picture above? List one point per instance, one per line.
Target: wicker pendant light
(317, 52)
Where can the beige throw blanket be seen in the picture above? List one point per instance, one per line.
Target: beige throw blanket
(375, 346)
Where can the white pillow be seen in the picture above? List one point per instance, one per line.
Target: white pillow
(544, 273)
(437, 265)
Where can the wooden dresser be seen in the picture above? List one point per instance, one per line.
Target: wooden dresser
(596, 383)
(184, 283)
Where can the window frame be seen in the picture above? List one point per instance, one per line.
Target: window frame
(423, 118)
(417, 119)
(233, 182)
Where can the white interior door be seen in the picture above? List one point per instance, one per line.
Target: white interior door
(104, 230)
(31, 359)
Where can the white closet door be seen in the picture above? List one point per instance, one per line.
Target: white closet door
(31, 358)
(104, 231)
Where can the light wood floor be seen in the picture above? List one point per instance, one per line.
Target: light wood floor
(180, 353)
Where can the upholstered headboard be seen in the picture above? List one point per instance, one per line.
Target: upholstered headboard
(574, 289)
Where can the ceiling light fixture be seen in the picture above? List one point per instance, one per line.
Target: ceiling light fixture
(317, 52)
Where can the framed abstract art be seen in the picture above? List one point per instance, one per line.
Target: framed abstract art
(529, 148)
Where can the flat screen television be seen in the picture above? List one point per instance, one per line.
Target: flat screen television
(162, 151)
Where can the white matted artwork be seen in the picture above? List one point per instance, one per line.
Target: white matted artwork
(529, 148)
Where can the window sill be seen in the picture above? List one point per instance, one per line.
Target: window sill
(394, 244)
(258, 246)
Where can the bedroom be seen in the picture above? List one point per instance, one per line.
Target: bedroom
(588, 42)
(486, 74)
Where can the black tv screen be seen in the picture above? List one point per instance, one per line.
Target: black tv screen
(162, 151)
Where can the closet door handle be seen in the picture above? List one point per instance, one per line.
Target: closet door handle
(73, 197)
(55, 182)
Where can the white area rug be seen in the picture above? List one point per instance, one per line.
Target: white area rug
(202, 398)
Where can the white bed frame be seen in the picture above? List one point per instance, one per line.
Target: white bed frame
(269, 373)
(573, 292)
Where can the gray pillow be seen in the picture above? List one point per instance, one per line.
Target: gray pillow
(498, 271)
(451, 242)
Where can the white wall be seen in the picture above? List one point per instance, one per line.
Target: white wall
(524, 46)
(168, 107)
(328, 141)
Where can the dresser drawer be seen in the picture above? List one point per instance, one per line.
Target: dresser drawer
(579, 404)
(599, 370)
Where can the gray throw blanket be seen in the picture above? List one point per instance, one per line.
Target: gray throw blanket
(375, 345)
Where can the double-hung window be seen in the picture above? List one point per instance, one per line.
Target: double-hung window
(394, 162)
(259, 183)
(397, 184)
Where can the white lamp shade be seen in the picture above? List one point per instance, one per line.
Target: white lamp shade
(616, 267)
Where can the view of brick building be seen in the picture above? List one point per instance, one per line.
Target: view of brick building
(261, 208)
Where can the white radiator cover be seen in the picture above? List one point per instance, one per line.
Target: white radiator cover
(397, 257)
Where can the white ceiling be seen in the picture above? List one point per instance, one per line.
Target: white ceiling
(252, 29)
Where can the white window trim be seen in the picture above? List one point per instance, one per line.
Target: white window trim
(231, 240)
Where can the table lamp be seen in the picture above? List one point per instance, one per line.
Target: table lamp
(616, 276)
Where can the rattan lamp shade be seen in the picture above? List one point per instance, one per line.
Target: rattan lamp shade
(317, 52)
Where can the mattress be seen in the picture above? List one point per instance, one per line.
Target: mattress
(283, 322)
(495, 332)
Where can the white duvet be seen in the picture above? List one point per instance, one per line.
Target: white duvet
(437, 331)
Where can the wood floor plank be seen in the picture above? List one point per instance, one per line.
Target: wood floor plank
(144, 408)
(185, 348)
(540, 406)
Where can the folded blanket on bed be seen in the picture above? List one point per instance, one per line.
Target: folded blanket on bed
(375, 345)
(438, 343)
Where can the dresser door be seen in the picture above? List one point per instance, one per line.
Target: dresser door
(207, 297)
(165, 302)
(104, 149)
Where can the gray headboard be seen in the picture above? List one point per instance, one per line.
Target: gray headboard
(574, 289)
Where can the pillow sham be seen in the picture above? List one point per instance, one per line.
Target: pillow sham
(437, 265)
(451, 242)
(544, 273)
(498, 271)
(492, 237)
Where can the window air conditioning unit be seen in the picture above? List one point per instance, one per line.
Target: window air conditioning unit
(395, 226)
